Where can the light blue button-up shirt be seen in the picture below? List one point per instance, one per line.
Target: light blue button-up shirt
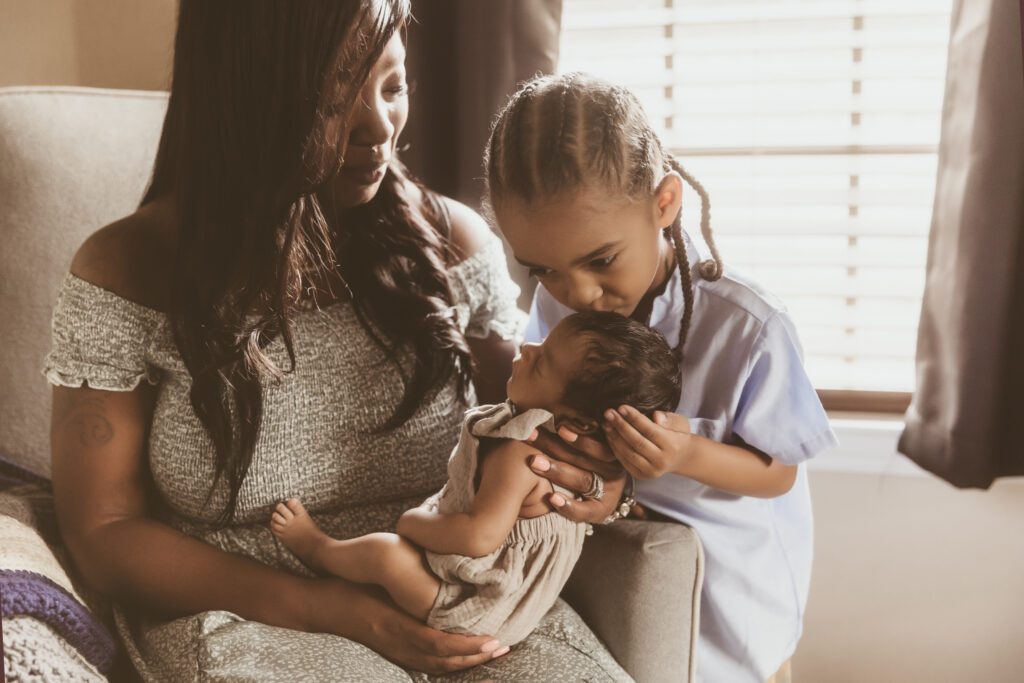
(743, 376)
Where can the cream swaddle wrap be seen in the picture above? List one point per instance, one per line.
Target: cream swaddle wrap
(506, 593)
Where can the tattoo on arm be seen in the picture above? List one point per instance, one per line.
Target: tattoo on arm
(83, 419)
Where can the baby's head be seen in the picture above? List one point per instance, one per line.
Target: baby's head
(593, 361)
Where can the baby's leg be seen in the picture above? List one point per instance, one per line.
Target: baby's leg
(384, 559)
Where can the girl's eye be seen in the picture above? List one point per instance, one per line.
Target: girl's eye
(603, 262)
(539, 272)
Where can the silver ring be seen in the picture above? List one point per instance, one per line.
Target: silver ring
(596, 490)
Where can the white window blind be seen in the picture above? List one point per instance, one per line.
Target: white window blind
(814, 125)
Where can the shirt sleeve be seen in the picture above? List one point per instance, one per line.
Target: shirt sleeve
(485, 294)
(779, 412)
(99, 340)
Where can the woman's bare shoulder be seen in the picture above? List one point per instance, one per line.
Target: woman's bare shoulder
(470, 231)
(132, 257)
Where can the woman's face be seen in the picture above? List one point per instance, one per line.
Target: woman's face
(590, 252)
(375, 122)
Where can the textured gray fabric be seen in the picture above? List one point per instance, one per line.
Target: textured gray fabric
(964, 422)
(506, 592)
(219, 646)
(637, 585)
(317, 442)
(317, 439)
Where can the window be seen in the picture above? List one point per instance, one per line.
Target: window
(814, 125)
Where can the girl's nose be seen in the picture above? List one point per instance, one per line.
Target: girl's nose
(583, 296)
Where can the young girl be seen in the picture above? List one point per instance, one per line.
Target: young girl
(590, 201)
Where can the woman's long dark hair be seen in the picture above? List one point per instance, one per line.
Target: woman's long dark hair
(249, 140)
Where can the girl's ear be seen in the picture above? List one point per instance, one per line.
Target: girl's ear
(668, 199)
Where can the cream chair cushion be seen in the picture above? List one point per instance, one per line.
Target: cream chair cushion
(71, 161)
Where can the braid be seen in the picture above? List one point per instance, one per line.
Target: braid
(642, 174)
(495, 158)
(556, 148)
(712, 268)
(683, 264)
(611, 133)
(523, 172)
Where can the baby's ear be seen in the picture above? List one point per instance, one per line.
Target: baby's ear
(580, 424)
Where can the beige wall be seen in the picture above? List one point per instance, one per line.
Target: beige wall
(914, 581)
(98, 43)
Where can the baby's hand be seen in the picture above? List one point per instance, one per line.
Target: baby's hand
(648, 449)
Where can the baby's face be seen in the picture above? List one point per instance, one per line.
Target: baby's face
(541, 372)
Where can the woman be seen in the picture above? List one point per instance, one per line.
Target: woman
(286, 314)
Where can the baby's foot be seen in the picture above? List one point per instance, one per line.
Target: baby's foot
(297, 530)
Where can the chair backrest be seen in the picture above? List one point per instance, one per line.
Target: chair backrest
(71, 161)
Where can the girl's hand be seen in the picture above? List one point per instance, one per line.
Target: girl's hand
(354, 612)
(573, 461)
(649, 449)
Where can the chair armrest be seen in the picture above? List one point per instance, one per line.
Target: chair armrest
(637, 585)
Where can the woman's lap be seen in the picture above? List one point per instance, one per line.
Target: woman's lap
(219, 646)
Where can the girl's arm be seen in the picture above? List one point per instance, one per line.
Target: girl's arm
(100, 487)
(505, 483)
(648, 450)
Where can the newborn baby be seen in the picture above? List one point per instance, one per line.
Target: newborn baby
(486, 555)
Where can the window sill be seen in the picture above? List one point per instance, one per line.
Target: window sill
(867, 445)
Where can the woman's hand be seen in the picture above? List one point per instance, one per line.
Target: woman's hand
(646, 448)
(573, 461)
(362, 614)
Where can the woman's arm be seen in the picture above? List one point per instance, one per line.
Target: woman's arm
(100, 487)
(492, 356)
(100, 483)
(505, 483)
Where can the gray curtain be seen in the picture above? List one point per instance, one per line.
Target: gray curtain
(966, 421)
(465, 58)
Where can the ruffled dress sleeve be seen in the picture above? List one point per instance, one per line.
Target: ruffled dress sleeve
(100, 339)
(485, 295)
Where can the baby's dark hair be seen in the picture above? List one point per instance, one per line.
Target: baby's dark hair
(624, 362)
(558, 134)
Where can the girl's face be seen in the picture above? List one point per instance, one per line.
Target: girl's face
(593, 251)
(374, 124)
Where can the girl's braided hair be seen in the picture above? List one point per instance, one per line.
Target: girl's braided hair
(559, 133)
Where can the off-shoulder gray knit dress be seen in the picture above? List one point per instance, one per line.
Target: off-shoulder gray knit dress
(317, 443)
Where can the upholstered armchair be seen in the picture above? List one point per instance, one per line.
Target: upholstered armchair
(75, 159)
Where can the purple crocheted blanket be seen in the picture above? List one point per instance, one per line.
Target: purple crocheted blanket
(27, 593)
(33, 594)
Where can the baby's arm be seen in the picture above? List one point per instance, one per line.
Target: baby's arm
(505, 483)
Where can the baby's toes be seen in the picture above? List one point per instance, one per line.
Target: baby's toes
(295, 507)
(283, 512)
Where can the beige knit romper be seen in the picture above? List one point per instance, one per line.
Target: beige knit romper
(506, 593)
